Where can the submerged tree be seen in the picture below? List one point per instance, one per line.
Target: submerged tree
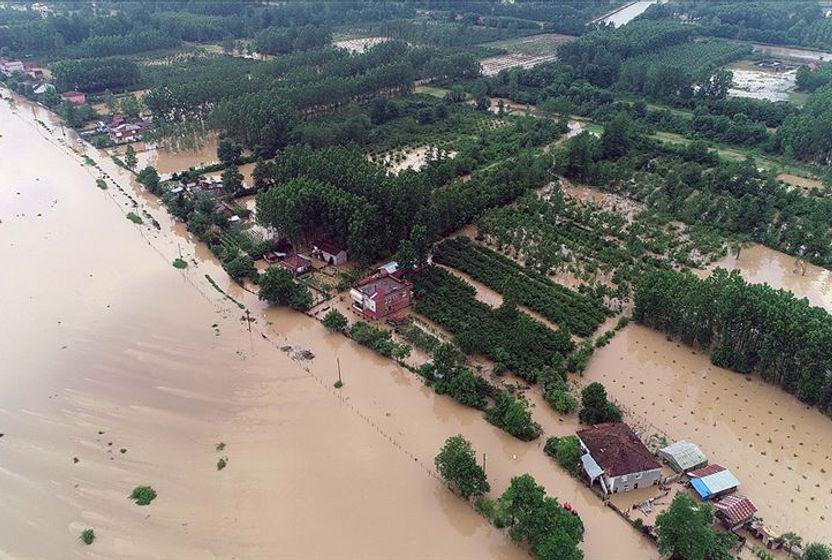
(457, 465)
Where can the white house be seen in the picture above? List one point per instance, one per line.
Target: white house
(616, 458)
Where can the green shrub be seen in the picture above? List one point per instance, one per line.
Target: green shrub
(335, 321)
(143, 495)
(566, 451)
(87, 536)
(561, 401)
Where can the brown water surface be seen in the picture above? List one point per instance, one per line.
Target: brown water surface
(106, 347)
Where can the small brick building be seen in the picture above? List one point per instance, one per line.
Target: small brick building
(381, 294)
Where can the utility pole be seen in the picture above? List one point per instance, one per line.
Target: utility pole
(484, 458)
(338, 361)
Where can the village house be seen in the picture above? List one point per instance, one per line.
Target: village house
(734, 511)
(381, 294)
(713, 481)
(9, 67)
(616, 458)
(74, 97)
(297, 264)
(683, 456)
(127, 131)
(34, 72)
(41, 87)
(329, 252)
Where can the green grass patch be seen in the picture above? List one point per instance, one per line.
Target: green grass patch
(222, 463)
(101, 184)
(179, 263)
(434, 91)
(89, 161)
(135, 218)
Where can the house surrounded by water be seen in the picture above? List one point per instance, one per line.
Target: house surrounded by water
(615, 457)
(381, 294)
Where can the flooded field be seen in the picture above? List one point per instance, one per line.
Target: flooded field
(128, 353)
(411, 158)
(760, 264)
(360, 45)
(758, 83)
(493, 65)
(168, 160)
(779, 448)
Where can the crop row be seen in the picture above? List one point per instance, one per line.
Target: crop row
(557, 303)
(508, 337)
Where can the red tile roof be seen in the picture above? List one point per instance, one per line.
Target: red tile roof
(294, 262)
(735, 509)
(617, 449)
(706, 471)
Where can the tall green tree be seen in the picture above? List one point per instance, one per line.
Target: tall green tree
(684, 529)
(232, 179)
(130, 159)
(457, 465)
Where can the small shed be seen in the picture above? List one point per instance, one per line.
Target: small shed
(713, 484)
(330, 252)
(683, 456)
(734, 511)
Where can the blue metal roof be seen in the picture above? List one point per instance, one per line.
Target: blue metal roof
(700, 488)
(714, 483)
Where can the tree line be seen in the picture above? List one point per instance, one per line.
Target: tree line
(749, 328)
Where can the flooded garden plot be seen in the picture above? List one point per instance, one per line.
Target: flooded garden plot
(524, 52)
(360, 45)
(412, 159)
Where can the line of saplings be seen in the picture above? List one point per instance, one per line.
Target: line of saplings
(557, 303)
(748, 328)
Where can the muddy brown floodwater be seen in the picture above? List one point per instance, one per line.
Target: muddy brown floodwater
(106, 347)
(779, 448)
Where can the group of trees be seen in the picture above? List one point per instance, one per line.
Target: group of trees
(562, 306)
(506, 335)
(782, 23)
(749, 328)
(281, 40)
(95, 74)
(532, 517)
(133, 27)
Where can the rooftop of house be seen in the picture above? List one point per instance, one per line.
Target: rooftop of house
(617, 449)
(383, 282)
(735, 509)
(684, 453)
(296, 261)
(706, 471)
